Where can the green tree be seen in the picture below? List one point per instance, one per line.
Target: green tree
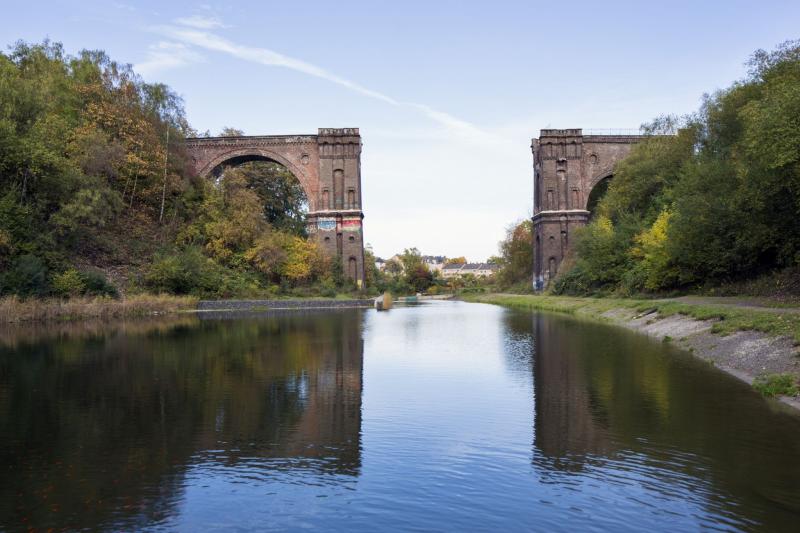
(516, 255)
(373, 277)
(283, 199)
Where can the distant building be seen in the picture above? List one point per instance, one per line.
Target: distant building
(435, 263)
(479, 270)
(380, 263)
(452, 270)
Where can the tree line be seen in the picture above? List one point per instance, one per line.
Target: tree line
(707, 199)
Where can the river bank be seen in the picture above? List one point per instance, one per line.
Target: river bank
(755, 344)
(16, 311)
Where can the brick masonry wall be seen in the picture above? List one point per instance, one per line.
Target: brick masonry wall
(327, 165)
(567, 167)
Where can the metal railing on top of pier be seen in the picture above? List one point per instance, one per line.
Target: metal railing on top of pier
(612, 131)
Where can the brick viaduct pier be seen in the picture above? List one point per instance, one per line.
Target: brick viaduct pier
(327, 165)
(570, 172)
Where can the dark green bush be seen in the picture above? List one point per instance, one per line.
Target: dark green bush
(96, 284)
(186, 271)
(27, 276)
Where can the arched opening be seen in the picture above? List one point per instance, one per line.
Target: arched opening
(352, 268)
(597, 193)
(338, 188)
(284, 199)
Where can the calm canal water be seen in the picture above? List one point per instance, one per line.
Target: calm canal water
(448, 416)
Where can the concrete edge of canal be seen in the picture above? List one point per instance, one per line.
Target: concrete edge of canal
(280, 305)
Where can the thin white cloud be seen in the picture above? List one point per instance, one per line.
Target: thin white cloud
(166, 55)
(201, 22)
(124, 6)
(265, 56)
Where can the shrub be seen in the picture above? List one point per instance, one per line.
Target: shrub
(27, 276)
(68, 284)
(96, 284)
(327, 288)
(185, 272)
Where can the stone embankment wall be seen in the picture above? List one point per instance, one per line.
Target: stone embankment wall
(274, 305)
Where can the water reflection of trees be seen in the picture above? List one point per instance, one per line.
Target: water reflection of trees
(100, 427)
(607, 398)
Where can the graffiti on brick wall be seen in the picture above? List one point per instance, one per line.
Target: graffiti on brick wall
(351, 224)
(326, 224)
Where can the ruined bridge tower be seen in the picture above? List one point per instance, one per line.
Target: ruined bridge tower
(327, 165)
(571, 171)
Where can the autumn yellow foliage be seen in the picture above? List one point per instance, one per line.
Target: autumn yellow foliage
(650, 247)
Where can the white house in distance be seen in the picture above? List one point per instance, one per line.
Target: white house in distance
(479, 270)
(452, 270)
(435, 263)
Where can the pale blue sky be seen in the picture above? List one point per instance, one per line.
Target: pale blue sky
(447, 94)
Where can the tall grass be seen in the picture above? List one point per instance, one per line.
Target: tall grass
(13, 309)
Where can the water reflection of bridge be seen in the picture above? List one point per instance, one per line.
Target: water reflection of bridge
(123, 413)
(611, 401)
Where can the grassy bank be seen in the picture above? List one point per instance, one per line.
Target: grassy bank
(13, 309)
(727, 319)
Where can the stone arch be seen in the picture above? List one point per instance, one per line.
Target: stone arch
(317, 162)
(243, 155)
(600, 174)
